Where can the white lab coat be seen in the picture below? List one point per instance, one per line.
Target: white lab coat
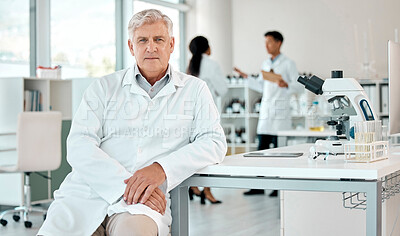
(211, 73)
(275, 102)
(119, 129)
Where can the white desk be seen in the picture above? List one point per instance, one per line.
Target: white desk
(290, 174)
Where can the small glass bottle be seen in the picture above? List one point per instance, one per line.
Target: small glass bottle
(314, 121)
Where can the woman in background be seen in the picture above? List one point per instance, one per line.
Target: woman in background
(203, 67)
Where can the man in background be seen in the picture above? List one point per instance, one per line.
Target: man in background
(278, 79)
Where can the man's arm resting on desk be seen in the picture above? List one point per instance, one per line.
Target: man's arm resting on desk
(207, 142)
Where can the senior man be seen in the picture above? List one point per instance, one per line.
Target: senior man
(137, 134)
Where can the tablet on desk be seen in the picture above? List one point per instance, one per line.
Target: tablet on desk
(274, 154)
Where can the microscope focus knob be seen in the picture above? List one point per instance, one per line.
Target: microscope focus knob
(332, 122)
(339, 130)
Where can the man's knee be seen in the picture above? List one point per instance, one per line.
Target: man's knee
(133, 225)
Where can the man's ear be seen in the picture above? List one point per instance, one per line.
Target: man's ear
(172, 44)
(130, 45)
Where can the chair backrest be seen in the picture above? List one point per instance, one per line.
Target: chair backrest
(39, 141)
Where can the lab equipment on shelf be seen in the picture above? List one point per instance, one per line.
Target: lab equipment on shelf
(257, 106)
(235, 106)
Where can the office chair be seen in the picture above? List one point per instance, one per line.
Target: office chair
(38, 149)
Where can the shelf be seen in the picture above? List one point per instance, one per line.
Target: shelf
(237, 85)
(44, 79)
(238, 115)
(373, 81)
(234, 115)
(246, 120)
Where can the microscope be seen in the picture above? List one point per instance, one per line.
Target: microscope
(349, 104)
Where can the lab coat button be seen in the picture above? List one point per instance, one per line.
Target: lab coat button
(139, 150)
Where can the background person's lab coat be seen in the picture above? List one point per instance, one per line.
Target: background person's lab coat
(117, 130)
(275, 103)
(211, 73)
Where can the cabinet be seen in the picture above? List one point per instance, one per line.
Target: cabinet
(237, 120)
(57, 95)
(378, 93)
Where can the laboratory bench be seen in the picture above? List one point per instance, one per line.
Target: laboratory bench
(293, 174)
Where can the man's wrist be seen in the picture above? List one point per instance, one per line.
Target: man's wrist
(161, 170)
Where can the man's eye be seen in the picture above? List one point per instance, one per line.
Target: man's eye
(159, 40)
(142, 40)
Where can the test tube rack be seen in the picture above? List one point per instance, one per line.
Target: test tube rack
(366, 152)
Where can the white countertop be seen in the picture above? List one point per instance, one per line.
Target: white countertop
(302, 167)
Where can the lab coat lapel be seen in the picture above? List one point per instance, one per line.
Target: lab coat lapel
(277, 61)
(170, 88)
(136, 89)
(130, 80)
(167, 90)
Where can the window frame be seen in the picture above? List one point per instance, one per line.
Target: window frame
(124, 11)
(39, 31)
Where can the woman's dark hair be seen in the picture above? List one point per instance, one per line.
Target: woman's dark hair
(197, 47)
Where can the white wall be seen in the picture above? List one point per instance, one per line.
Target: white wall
(319, 34)
(212, 19)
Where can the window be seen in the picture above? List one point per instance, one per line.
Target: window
(83, 37)
(14, 38)
(173, 14)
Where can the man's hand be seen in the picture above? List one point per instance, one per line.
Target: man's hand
(241, 73)
(282, 84)
(157, 201)
(143, 182)
(275, 78)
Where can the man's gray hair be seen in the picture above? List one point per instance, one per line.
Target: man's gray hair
(148, 16)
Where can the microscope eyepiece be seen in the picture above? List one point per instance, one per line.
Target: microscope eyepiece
(314, 84)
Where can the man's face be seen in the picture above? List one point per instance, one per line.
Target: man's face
(152, 46)
(272, 45)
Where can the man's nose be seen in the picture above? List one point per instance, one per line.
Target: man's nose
(151, 47)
